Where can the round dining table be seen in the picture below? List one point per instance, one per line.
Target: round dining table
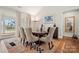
(39, 35)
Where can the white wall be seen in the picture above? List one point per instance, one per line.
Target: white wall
(22, 19)
(78, 23)
(4, 12)
(57, 12)
(58, 19)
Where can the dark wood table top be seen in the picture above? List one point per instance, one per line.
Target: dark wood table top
(39, 34)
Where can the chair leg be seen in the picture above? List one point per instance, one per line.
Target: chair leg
(30, 46)
(26, 43)
(50, 44)
(23, 41)
(37, 48)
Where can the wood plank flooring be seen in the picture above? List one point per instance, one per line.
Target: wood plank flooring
(68, 45)
(65, 45)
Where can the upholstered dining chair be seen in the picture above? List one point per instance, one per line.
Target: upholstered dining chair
(30, 38)
(22, 35)
(48, 39)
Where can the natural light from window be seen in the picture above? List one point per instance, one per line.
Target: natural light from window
(9, 25)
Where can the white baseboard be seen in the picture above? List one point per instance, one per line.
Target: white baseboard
(60, 37)
(68, 35)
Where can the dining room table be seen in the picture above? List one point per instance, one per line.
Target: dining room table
(39, 35)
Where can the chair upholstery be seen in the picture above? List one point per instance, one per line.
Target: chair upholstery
(48, 29)
(29, 35)
(48, 38)
(22, 35)
(30, 38)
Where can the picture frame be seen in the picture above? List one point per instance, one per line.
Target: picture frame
(48, 19)
(70, 24)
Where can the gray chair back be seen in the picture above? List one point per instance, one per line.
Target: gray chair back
(22, 33)
(28, 34)
(49, 36)
(51, 32)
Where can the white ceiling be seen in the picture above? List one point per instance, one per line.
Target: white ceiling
(33, 10)
(28, 9)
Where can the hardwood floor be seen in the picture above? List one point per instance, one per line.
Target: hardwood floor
(68, 45)
(65, 45)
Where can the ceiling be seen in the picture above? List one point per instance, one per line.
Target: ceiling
(33, 10)
(28, 9)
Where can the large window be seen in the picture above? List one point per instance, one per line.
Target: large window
(8, 25)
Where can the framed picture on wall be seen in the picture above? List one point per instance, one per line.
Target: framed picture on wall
(70, 24)
(48, 19)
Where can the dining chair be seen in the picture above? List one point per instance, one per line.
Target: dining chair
(22, 35)
(30, 38)
(48, 39)
(48, 29)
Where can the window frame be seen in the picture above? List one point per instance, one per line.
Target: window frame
(3, 27)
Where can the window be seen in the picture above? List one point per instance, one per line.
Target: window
(8, 25)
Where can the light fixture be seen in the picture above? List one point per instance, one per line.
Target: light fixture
(35, 18)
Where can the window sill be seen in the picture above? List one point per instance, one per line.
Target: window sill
(7, 35)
